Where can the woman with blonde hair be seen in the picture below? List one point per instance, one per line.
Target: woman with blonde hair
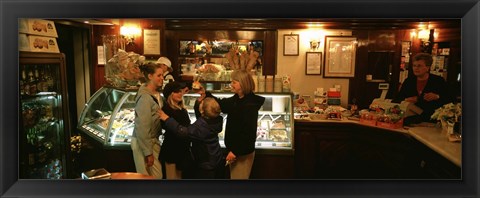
(241, 125)
(175, 150)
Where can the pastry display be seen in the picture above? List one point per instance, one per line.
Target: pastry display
(278, 135)
(196, 85)
(279, 124)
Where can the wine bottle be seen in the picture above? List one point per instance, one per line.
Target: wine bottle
(32, 81)
(23, 81)
(49, 79)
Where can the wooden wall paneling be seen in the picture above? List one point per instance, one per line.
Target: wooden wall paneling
(357, 85)
(270, 53)
(453, 37)
(99, 70)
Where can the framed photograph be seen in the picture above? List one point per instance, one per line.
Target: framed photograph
(340, 56)
(100, 55)
(151, 42)
(313, 64)
(290, 44)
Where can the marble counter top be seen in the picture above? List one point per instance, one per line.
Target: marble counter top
(438, 141)
(430, 136)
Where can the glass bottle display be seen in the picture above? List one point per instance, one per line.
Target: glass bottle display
(43, 114)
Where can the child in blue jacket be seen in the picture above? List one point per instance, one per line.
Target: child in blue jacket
(203, 133)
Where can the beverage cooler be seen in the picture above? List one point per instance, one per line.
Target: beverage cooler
(44, 128)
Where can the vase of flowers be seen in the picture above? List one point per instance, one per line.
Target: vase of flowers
(449, 115)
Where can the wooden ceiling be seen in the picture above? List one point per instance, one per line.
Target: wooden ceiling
(297, 23)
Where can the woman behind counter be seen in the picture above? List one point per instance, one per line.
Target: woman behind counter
(425, 90)
(241, 125)
(145, 138)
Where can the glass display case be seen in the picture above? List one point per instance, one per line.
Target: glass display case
(275, 120)
(109, 115)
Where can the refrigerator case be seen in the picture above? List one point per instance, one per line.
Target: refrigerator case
(275, 120)
(44, 128)
(108, 116)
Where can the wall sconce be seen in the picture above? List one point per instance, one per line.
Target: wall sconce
(314, 44)
(424, 37)
(129, 33)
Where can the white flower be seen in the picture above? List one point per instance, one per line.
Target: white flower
(449, 112)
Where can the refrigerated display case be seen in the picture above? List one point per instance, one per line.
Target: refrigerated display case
(44, 128)
(275, 120)
(108, 116)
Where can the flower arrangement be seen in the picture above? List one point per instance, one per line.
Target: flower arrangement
(448, 113)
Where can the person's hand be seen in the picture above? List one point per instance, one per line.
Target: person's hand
(149, 160)
(412, 99)
(163, 115)
(231, 158)
(200, 91)
(431, 96)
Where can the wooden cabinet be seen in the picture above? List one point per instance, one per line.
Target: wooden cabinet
(352, 151)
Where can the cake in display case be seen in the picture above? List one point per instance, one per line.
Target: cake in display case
(109, 116)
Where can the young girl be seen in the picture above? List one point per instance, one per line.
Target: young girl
(204, 135)
(145, 143)
(175, 149)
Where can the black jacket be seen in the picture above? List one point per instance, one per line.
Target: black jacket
(241, 126)
(435, 84)
(174, 149)
(204, 136)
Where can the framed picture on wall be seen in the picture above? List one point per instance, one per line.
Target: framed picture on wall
(290, 44)
(340, 56)
(313, 64)
(151, 42)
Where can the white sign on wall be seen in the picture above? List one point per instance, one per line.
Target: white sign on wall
(151, 42)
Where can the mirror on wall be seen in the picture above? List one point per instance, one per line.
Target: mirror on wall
(380, 65)
(216, 48)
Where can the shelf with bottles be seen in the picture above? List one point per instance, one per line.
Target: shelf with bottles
(39, 111)
(37, 79)
(42, 149)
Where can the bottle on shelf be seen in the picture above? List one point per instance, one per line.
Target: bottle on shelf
(23, 82)
(49, 78)
(32, 86)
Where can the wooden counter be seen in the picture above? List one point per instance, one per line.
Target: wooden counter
(349, 149)
(430, 136)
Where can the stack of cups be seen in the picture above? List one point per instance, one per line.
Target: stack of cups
(277, 86)
(261, 83)
(269, 84)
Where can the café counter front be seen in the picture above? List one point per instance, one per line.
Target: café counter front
(348, 149)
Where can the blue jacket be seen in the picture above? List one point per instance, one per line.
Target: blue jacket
(241, 126)
(204, 136)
